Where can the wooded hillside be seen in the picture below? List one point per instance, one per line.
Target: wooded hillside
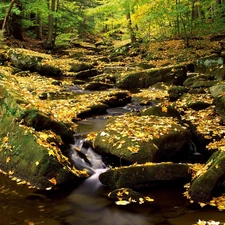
(58, 22)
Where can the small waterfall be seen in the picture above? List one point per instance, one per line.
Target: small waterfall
(85, 158)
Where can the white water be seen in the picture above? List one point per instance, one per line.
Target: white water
(86, 158)
(89, 199)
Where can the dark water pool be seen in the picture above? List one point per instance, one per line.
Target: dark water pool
(88, 205)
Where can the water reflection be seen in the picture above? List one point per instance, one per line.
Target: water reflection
(92, 207)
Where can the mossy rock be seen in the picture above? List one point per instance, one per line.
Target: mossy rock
(219, 102)
(31, 155)
(217, 90)
(199, 105)
(40, 121)
(203, 186)
(80, 66)
(175, 92)
(26, 59)
(161, 111)
(170, 75)
(147, 175)
(143, 138)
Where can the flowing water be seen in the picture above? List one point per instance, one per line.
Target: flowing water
(88, 203)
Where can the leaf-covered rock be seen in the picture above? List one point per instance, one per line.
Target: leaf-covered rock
(28, 152)
(143, 138)
(161, 111)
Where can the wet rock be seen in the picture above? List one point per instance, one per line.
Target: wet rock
(171, 75)
(143, 138)
(203, 187)
(147, 175)
(199, 84)
(124, 196)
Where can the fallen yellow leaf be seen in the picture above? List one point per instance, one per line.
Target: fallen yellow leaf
(53, 181)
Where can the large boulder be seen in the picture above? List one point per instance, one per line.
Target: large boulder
(143, 79)
(147, 175)
(203, 187)
(31, 144)
(219, 101)
(31, 60)
(143, 138)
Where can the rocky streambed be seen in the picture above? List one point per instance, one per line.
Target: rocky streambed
(168, 132)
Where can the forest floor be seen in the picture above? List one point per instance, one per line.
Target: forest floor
(158, 53)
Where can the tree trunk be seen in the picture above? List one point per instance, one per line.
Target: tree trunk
(50, 40)
(39, 29)
(7, 14)
(15, 23)
(131, 31)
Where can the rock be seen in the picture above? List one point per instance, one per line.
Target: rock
(205, 63)
(219, 102)
(195, 78)
(93, 86)
(124, 196)
(170, 75)
(84, 74)
(199, 105)
(33, 61)
(31, 154)
(143, 138)
(80, 66)
(97, 109)
(217, 90)
(175, 92)
(207, 83)
(203, 186)
(117, 99)
(40, 121)
(147, 175)
(161, 111)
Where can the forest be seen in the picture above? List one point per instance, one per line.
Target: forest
(58, 22)
(112, 112)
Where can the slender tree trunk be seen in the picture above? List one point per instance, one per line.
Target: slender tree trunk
(131, 30)
(7, 14)
(39, 29)
(50, 40)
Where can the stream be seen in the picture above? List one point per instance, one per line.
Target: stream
(88, 203)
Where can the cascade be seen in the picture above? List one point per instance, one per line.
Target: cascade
(85, 158)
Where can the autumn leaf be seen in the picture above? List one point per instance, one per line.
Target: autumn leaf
(8, 159)
(164, 109)
(36, 163)
(5, 139)
(53, 181)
